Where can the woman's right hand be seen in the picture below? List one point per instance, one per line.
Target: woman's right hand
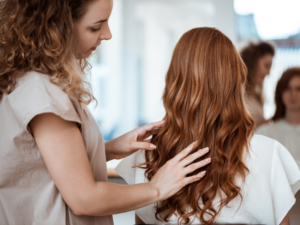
(170, 178)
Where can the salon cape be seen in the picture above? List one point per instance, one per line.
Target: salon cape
(268, 192)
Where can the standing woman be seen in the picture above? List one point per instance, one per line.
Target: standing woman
(52, 154)
(258, 59)
(285, 126)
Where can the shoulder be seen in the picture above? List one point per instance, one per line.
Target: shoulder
(268, 152)
(261, 152)
(33, 80)
(32, 76)
(260, 142)
(273, 180)
(36, 94)
(263, 144)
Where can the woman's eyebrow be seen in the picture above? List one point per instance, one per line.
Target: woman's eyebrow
(101, 21)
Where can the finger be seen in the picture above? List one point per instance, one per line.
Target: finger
(194, 178)
(150, 127)
(142, 145)
(191, 168)
(154, 131)
(191, 158)
(154, 125)
(184, 152)
(147, 134)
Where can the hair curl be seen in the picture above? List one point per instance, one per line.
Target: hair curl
(42, 36)
(203, 99)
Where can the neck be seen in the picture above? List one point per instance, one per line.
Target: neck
(292, 116)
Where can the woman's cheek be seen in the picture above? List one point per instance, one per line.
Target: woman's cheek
(285, 97)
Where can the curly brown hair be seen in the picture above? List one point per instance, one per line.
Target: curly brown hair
(251, 54)
(42, 36)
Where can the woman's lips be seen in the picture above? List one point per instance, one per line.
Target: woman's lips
(93, 49)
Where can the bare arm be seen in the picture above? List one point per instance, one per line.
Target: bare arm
(63, 151)
(138, 220)
(286, 220)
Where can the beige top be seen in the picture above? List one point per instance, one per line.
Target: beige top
(284, 132)
(255, 109)
(28, 195)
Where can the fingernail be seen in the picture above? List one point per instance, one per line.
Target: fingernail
(152, 146)
(203, 173)
(208, 160)
(205, 149)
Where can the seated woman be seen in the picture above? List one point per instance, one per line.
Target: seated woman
(285, 124)
(251, 179)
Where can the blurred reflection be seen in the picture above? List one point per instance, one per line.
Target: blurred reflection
(128, 74)
(285, 126)
(258, 59)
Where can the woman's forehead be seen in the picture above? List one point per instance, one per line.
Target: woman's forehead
(97, 11)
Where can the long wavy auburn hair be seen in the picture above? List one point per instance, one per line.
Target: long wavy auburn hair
(203, 99)
(41, 35)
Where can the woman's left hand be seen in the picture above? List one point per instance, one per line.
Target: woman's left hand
(132, 141)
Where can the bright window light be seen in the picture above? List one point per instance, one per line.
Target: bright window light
(274, 19)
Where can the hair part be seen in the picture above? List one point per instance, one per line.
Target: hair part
(203, 99)
(251, 55)
(42, 36)
(281, 86)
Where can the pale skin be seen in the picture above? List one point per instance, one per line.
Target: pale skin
(63, 151)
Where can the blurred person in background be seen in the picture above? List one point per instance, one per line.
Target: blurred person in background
(258, 59)
(285, 124)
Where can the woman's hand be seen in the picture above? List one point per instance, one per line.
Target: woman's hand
(170, 178)
(62, 148)
(132, 141)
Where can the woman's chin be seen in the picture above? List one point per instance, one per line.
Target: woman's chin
(84, 55)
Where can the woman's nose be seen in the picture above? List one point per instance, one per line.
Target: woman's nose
(106, 35)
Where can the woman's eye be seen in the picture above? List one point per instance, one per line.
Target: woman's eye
(95, 29)
(268, 66)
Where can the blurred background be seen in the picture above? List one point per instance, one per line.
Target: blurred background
(128, 71)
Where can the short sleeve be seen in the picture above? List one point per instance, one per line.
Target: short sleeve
(129, 172)
(285, 181)
(35, 94)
